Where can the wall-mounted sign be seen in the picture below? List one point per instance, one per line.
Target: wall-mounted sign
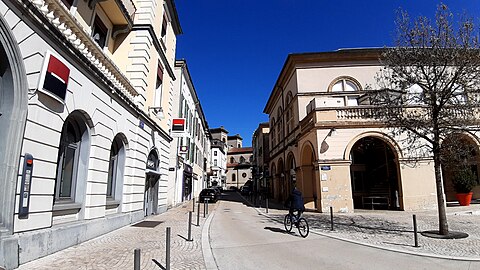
(178, 127)
(326, 168)
(54, 77)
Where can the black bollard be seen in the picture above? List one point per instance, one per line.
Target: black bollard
(415, 230)
(198, 215)
(136, 259)
(331, 218)
(207, 206)
(266, 205)
(189, 226)
(167, 250)
(204, 207)
(193, 210)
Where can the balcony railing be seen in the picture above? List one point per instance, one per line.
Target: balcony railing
(70, 28)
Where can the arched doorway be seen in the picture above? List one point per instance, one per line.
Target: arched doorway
(459, 151)
(13, 115)
(374, 175)
(151, 184)
(309, 181)
(271, 185)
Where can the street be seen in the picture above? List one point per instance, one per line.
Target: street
(242, 238)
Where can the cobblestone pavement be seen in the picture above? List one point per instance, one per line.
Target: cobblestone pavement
(394, 229)
(115, 250)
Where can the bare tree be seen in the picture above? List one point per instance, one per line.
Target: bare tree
(429, 86)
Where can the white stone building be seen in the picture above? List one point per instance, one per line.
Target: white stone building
(85, 101)
(191, 148)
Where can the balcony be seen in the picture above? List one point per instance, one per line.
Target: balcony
(120, 12)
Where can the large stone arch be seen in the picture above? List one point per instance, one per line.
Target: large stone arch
(308, 177)
(375, 171)
(281, 189)
(471, 158)
(13, 116)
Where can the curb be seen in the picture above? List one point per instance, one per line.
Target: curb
(208, 257)
(470, 259)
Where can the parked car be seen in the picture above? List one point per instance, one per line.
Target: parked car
(217, 190)
(245, 190)
(208, 193)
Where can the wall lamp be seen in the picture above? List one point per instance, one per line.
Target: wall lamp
(158, 111)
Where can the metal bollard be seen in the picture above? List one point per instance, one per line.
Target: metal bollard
(189, 226)
(198, 215)
(266, 205)
(136, 259)
(204, 207)
(331, 218)
(193, 210)
(415, 230)
(207, 207)
(167, 248)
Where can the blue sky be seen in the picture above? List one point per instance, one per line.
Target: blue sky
(235, 49)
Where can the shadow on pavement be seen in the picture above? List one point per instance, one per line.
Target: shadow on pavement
(273, 229)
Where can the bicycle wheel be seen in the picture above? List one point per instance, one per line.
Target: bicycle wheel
(287, 221)
(303, 228)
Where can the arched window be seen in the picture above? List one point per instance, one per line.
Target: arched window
(349, 87)
(242, 159)
(232, 160)
(234, 177)
(272, 133)
(116, 168)
(74, 134)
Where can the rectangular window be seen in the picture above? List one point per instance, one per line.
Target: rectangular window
(164, 27)
(99, 32)
(214, 162)
(215, 153)
(158, 87)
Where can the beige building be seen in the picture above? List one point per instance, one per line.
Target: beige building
(239, 166)
(322, 138)
(261, 157)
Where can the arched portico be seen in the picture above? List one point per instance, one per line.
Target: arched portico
(309, 181)
(152, 177)
(459, 151)
(281, 191)
(13, 113)
(374, 173)
(290, 172)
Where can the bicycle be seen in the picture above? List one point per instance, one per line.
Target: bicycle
(300, 222)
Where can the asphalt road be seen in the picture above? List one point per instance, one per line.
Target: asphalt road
(242, 238)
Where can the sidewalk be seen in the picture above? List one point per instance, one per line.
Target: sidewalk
(115, 250)
(393, 230)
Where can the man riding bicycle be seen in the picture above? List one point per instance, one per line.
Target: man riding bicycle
(295, 203)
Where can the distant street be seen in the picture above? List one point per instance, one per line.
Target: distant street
(241, 238)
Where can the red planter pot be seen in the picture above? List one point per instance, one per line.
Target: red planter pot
(464, 198)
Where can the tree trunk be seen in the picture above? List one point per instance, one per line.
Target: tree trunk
(442, 216)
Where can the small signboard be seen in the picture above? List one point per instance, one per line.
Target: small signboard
(326, 168)
(179, 127)
(54, 77)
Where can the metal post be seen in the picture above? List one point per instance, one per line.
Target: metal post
(207, 206)
(204, 207)
(266, 204)
(136, 259)
(167, 252)
(193, 210)
(331, 218)
(189, 226)
(415, 230)
(198, 215)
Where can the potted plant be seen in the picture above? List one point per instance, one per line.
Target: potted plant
(463, 183)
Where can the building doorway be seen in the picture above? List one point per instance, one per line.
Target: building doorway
(374, 175)
(187, 182)
(151, 185)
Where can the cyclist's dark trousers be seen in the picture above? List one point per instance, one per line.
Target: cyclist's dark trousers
(297, 216)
